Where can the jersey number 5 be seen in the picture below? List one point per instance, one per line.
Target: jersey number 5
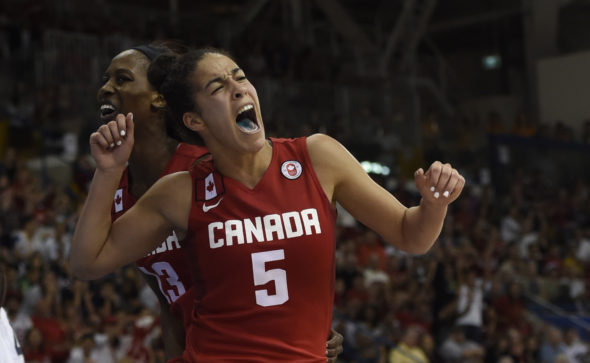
(263, 276)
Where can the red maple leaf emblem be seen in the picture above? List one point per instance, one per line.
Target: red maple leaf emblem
(118, 199)
(210, 186)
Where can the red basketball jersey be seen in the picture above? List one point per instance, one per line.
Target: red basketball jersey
(265, 262)
(167, 262)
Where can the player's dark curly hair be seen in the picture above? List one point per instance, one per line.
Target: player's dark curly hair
(172, 76)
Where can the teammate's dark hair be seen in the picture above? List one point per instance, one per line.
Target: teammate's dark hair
(172, 76)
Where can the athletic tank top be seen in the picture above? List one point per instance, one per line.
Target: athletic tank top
(167, 263)
(264, 259)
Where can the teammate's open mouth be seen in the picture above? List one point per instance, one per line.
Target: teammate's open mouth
(246, 119)
(107, 112)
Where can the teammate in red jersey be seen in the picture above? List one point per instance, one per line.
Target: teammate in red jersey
(126, 88)
(260, 246)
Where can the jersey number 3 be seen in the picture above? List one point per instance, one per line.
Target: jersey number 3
(263, 276)
(163, 270)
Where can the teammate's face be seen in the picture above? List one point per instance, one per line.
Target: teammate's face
(228, 104)
(125, 87)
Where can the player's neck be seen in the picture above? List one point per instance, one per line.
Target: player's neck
(245, 168)
(147, 163)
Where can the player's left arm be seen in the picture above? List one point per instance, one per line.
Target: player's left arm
(413, 229)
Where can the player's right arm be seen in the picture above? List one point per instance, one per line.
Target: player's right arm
(100, 246)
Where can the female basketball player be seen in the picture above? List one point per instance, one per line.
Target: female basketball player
(126, 88)
(261, 211)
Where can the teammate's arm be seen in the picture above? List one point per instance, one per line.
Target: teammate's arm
(100, 246)
(411, 229)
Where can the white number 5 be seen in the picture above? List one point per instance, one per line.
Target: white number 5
(263, 276)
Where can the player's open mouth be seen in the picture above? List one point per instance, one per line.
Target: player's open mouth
(246, 119)
(107, 112)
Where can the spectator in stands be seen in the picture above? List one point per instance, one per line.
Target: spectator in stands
(373, 273)
(505, 359)
(21, 322)
(85, 351)
(457, 349)
(370, 246)
(31, 282)
(552, 345)
(34, 347)
(408, 349)
(428, 346)
(575, 350)
(54, 336)
(470, 304)
(510, 309)
(582, 241)
(511, 225)
(532, 348)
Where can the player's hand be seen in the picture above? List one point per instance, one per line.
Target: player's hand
(112, 143)
(440, 184)
(334, 346)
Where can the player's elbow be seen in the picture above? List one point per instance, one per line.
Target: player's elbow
(420, 249)
(85, 271)
(412, 245)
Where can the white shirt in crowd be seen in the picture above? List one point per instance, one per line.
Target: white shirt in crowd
(10, 349)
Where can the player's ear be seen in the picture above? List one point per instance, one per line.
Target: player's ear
(158, 100)
(193, 121)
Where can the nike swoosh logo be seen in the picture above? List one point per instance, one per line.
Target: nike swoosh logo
(206, 208)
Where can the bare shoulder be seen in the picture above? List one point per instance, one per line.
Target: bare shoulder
(328, 152)
(170, 185)
(322, 142)
(324, 149)
(178, 179)
(329, 159)
(172, 196)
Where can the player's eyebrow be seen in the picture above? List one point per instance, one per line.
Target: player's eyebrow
(220, 78)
